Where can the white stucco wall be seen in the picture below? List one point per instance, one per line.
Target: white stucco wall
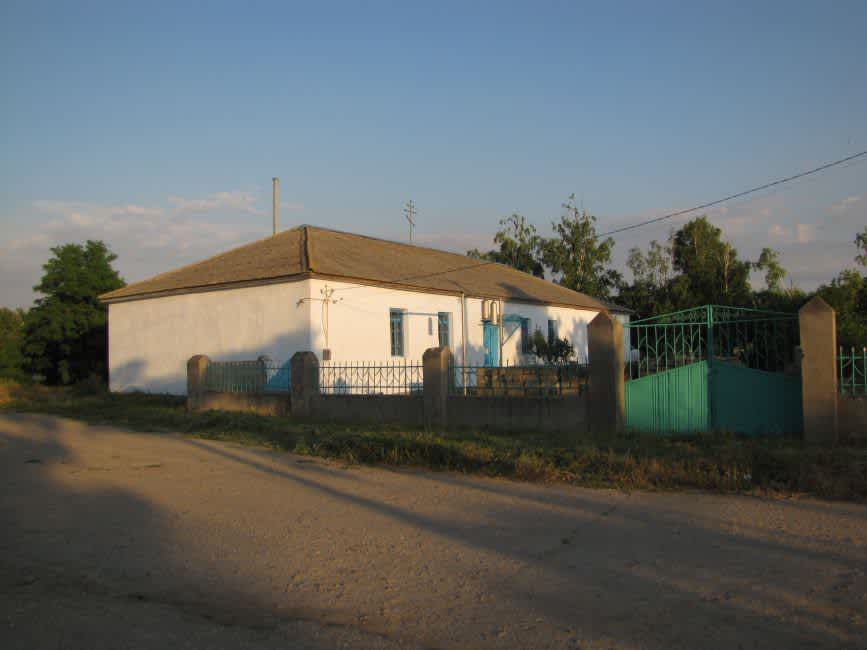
(359, 324)
(151, 340)
(571, 324)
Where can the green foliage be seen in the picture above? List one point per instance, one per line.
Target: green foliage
(579, 259)
(11, 333)
(65, 332)
(556, 353)
(715, 462)
(861, 243)
(769, 262)
(711, 272)
(519, 246)
(847, 294)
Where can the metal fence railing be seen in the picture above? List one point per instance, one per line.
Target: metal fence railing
(752, 338)
(370, 378)
(853, 371)
(260, 376)
(519, 381)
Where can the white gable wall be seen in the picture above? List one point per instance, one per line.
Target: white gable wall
(151, 340)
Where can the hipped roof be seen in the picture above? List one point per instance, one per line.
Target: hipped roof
(309, 251)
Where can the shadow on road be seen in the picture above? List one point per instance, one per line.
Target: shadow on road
(596, 565)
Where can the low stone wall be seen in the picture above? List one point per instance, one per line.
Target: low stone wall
(259, 403)
(852, 417)
(370, 409)
(508, 414)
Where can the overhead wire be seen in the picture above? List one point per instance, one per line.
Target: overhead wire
(670, 215)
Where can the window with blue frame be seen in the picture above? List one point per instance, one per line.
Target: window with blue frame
(397, 343)
(443, 328)
(526, 343)
(552, 331)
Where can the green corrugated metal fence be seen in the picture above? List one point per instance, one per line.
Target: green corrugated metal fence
(714, 368)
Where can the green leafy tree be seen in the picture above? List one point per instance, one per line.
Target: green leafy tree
(769, 262)
(710, 269)
(846, 294)
(651, 272)
(11, 331)
(861, 243)
(577, 257)
(65, 332)
(519, 246)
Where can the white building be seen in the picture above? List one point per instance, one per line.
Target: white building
(361, 298)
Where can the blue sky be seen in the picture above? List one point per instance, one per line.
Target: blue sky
(158, 127)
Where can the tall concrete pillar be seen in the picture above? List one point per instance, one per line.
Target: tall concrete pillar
(197, 366)
(305, 382)
(606, 397)
(818, 326)
(435, 369)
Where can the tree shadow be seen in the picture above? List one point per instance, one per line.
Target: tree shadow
(592, 564)
(250, 539)
(73, 538)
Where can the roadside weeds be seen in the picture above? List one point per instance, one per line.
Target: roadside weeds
(718, 462)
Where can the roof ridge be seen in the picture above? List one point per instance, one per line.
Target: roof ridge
(308, 249)
(387, 241)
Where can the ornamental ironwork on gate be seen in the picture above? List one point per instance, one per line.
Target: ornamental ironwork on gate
(714, 368)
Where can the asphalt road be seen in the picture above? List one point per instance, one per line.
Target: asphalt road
(112, 539)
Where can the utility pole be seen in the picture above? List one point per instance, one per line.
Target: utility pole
(275, 205)
(409, 211)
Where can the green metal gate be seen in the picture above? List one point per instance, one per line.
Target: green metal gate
(714, 368)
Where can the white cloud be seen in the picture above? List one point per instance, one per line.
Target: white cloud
(845, 204)
(148, 239)
(235, 200)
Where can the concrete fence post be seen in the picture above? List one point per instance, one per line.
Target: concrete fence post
(304, 367)
(435, 369)
(197, 366)
(818, 329)
(265, 364)
(605, 406)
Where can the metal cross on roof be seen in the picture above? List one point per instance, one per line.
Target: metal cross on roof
(409, 211)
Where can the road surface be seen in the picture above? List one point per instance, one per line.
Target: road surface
(113, 539)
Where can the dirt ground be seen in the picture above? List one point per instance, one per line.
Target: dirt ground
(112, 539)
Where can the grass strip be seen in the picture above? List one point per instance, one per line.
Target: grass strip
(718, 462)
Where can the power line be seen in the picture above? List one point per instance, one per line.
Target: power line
(753, 190)
(730, 197)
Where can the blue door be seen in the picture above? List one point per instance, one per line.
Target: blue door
(492, 345)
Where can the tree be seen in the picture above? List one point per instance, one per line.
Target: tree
(769, 262)
(578, 258)
(710, 269)
(519, 246)
(861, 243)
(65, 332)
(11, 330)
(649, 292)
(846, 294)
